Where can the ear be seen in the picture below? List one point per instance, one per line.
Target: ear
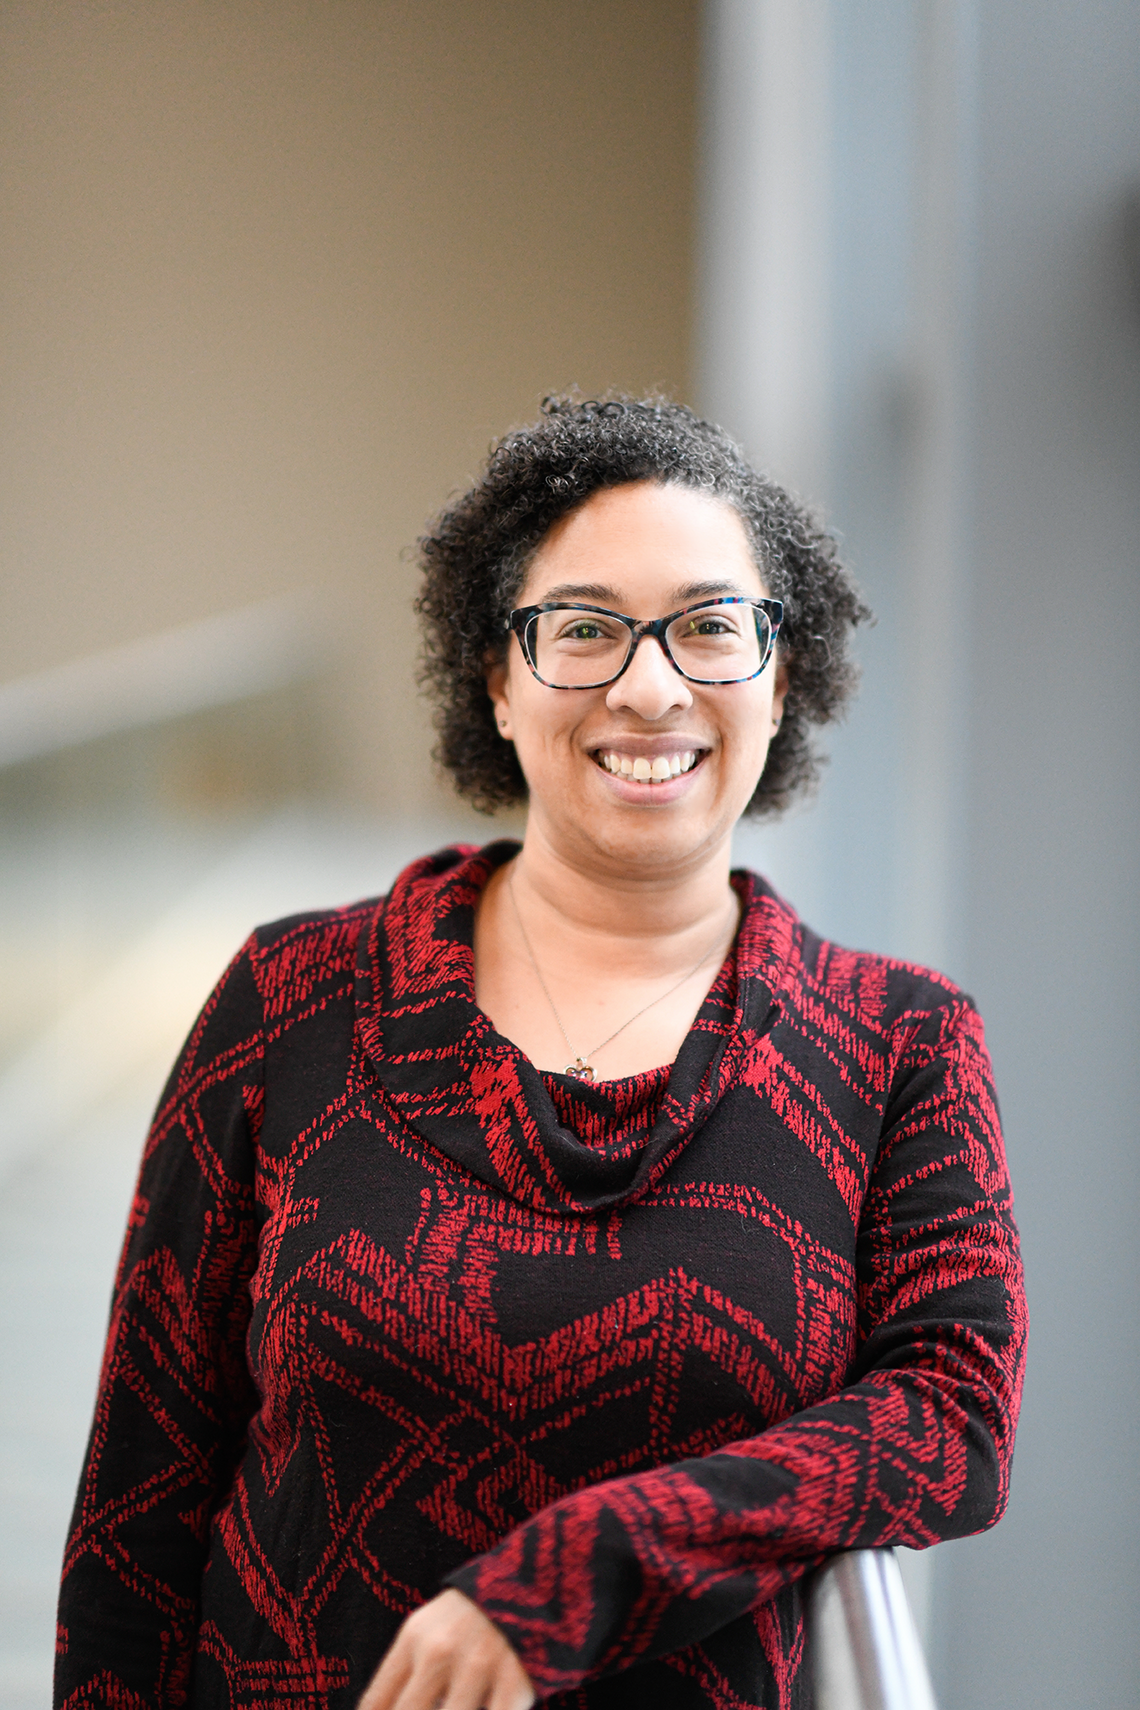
(497, 689)
(779, 692)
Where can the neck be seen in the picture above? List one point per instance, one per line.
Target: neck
(656, 912)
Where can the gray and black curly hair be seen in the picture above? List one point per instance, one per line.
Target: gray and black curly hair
(476, 555)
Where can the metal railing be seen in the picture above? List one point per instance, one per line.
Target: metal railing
(865, 1650)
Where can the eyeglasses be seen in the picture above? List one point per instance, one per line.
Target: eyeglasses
(569, 646)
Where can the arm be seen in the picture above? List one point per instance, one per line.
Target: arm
(174, 1394)
(915, 1448)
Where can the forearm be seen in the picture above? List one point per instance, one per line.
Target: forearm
(174, 1396)
(640, 1567)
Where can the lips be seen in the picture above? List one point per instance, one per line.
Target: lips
(649, 769)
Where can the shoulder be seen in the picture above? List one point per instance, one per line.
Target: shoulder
(312, 934)
(312, 956)
(307, 959)
(832, 985)
(324, 935)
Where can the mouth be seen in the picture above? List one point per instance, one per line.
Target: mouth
(641, 769)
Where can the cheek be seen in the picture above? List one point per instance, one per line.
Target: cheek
(541, 721)
(749, 732)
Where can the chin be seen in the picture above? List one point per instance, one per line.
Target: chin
(645, 839)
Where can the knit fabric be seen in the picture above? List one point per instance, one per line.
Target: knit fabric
(621, 1361)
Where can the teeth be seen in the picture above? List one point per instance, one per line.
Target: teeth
(645, 771)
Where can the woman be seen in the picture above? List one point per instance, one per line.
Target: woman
(535, 1272)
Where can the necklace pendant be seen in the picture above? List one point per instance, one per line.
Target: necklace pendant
(578, 1070)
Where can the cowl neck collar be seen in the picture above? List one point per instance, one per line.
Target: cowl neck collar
(475, 1097)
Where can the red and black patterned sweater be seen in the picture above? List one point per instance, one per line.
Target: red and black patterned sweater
(621, 1362)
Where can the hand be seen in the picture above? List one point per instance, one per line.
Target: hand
(448, 1654)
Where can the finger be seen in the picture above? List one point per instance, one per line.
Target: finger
(441, 1667)
(511, 1688)
(426, 1689)
(384, 1689)
(455, 1682)
(467, 1690)
(486, 1672)
(471, 1673)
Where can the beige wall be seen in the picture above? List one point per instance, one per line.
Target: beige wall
(271, 276)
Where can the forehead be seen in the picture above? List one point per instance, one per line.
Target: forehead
(644, 542)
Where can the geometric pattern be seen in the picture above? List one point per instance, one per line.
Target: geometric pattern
(621, 1361)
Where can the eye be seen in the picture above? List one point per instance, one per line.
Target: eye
(581, 630)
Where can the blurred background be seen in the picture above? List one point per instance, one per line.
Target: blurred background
(272, 275)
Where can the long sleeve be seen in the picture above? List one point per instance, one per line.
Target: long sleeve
(916, 1447)
(175, 1395)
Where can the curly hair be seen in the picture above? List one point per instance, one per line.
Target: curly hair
(476, 555)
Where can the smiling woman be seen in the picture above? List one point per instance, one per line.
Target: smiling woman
(537, 1271)
(475, 559)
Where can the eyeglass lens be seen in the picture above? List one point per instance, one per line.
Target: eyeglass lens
(715, 644)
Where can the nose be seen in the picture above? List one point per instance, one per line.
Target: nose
(649, 686)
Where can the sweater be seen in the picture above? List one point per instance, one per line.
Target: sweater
(622, 1361)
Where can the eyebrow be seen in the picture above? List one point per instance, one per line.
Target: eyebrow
(686, 594)
(709, 590)
(579, 591)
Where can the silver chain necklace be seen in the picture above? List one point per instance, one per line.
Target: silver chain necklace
(580, 1069)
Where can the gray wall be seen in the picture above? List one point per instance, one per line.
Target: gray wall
(977, 444)
(1047, 1609)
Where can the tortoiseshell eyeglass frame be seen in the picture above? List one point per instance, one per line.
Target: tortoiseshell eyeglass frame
(523, 619)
